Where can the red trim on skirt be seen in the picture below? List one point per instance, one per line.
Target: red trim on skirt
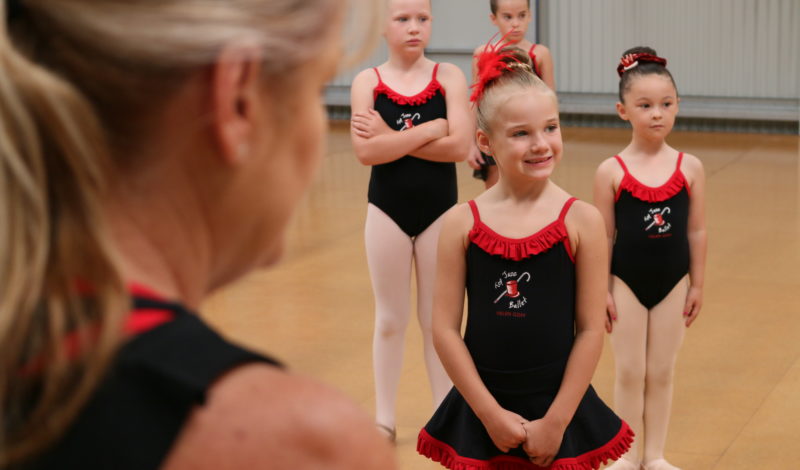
(441, 452)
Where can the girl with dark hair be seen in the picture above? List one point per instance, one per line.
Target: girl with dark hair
(652, 198)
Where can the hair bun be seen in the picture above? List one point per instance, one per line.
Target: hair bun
(632, 60)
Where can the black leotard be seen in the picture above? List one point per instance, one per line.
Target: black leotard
(157, 378)
(412, 191)
(520, 331)
(651, 251)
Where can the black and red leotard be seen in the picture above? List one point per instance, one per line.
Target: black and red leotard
(651, 250)
(520, 331)
(412, 191)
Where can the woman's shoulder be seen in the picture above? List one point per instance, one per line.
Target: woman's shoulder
(257, 416)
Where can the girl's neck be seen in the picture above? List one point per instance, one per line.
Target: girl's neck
(521, 191)
(403, 61)
(646, 147)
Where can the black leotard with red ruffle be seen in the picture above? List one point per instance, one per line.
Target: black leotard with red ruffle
(412, 191)
(520, 331)
(651, 250)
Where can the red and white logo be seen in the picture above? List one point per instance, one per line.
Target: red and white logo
(656, 218)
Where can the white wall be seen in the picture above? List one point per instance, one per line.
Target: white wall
(730, 58)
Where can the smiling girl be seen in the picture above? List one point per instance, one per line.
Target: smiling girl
(532, 260)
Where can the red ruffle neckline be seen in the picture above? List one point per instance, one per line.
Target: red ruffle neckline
(416, 100)
(438, 451)
(646, 193)
(517, 248)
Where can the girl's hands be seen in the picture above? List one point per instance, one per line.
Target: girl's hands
(694, 300)
(543, 441)
(506, 429)
(474, 159)
(369, 124)
(611, 312)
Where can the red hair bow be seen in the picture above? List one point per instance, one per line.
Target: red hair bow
(630, 61)
(491, 65)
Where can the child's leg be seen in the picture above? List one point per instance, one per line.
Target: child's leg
(629, 341)
(665, 335)
(425, 248)
(389, 252)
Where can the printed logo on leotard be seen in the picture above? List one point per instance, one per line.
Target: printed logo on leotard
(509, 282)
(656, 222)
(407, 120)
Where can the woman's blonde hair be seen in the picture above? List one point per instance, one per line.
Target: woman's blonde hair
(77, 83)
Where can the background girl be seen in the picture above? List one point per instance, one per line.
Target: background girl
(532, 260)
(512, 18)
(411, 122)
(652, 199)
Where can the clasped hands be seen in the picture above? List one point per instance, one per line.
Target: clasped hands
(540, 438)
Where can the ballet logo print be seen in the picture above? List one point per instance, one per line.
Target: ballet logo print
(406, 120)
(510, 283)
(656, 222)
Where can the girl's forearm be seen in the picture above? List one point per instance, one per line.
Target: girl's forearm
(388, 147)
(452, 148)
(462, 371)
(697, 257)
(580, 368)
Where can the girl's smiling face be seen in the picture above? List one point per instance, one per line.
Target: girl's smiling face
(525, 133)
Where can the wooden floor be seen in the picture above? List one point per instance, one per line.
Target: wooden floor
(737, 391)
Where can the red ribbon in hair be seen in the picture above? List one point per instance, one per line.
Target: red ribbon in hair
(630, 61)
(491, 65)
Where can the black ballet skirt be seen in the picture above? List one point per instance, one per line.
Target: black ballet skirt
(520, 331)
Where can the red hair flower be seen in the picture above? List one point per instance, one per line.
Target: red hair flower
(492, 62)
(630, 61)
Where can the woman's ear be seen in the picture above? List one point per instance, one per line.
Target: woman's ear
(623, 114)
(482, 139)
(236, 101)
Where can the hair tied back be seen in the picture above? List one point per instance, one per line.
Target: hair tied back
(492, 63)
(630, 61)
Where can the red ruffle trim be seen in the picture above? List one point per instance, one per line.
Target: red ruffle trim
(440, 452)
(638, 190)
(517, 248)
(416, 100)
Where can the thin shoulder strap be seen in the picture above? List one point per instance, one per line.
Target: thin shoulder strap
(435, 69)
(380, 80)
(474, 208)
(566, 207)
(530, 51)
(622, 164)
(680, 158)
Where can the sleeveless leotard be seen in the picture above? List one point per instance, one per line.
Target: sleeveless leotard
(412, 191)
(160, 374)
(520, 331)
(651, 251)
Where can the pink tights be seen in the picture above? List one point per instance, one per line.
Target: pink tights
(390, 252)
(646, 345)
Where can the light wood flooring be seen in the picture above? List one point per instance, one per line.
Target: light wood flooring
(737, 388)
